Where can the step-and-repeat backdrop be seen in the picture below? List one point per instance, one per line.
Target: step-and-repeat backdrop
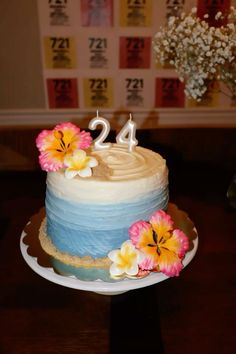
(98, 54)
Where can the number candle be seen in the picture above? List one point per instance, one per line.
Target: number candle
(127, 134)
(98, 142)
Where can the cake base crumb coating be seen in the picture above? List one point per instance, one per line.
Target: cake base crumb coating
(75, 261)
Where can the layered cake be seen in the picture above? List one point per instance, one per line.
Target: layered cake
(102, 201)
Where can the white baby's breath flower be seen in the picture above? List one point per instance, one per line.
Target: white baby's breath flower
(171, 20)
(218, 15)
(198, 52)
(231, 26)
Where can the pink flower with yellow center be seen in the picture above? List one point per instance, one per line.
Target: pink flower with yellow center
(54, 145)
(164, 247)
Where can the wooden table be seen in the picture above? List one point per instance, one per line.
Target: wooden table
(194, 313)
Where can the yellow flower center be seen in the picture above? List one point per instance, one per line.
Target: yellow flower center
(80, 165)
(63, 142)
(157, 244)
(127, 258)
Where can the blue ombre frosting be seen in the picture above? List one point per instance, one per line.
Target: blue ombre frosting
(82, 229)
(91, 216)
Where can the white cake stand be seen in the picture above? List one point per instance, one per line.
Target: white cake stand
(98, 286)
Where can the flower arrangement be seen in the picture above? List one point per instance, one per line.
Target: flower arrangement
(64, 147)
(198, 52)
(153, 246)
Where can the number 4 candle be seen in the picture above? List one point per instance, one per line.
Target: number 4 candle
(127, 134)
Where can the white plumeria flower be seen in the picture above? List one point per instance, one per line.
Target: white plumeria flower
(125, 260)
(79, 164)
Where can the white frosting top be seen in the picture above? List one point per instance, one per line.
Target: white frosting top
(134, 175)
(130, 165)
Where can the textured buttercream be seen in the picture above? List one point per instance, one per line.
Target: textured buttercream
(91, 216)
(133, 176)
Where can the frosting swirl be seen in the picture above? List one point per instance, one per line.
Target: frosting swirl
(133, 175)
(130, 165)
